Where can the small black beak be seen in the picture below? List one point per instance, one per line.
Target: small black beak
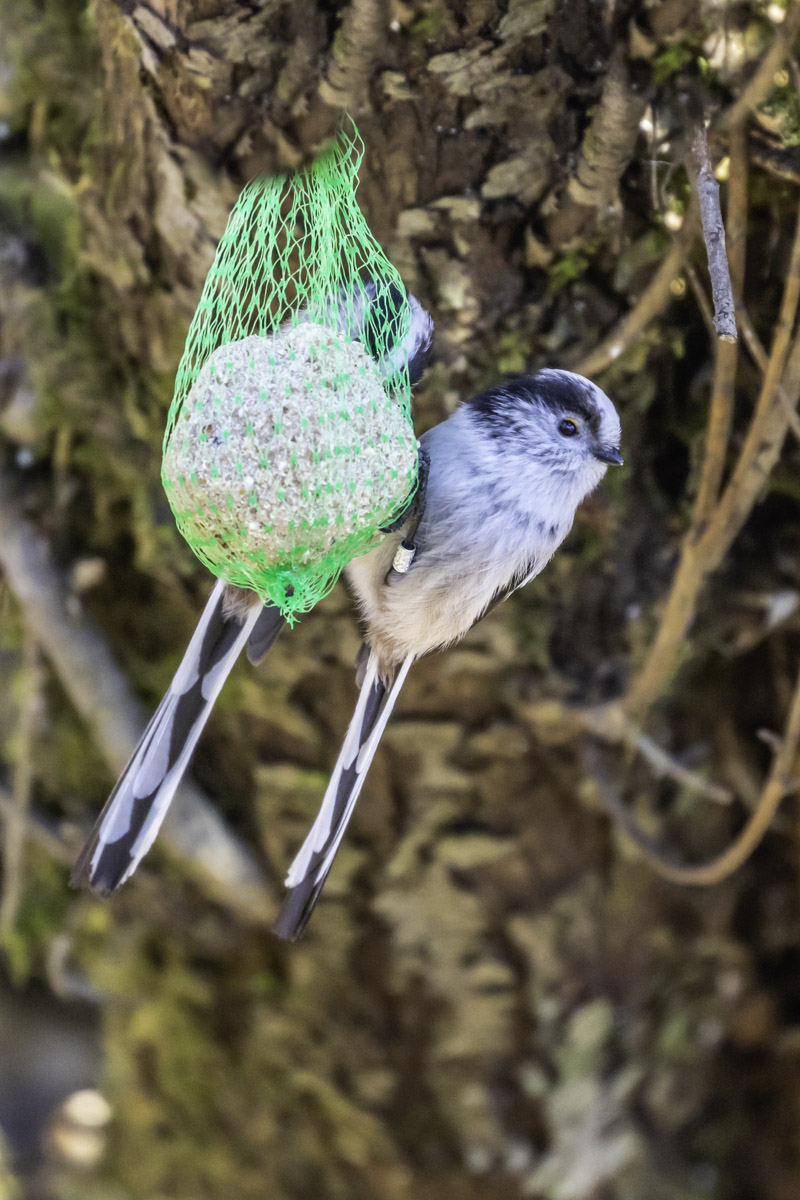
(609, 454)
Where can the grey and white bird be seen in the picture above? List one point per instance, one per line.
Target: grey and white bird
(506, 473)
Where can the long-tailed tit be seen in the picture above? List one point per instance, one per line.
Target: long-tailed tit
(506, 473)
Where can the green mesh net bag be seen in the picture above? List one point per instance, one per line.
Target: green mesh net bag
(289, 444)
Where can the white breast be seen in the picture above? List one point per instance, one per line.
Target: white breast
(490, 522)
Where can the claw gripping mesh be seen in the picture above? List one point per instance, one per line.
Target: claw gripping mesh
(289, 441)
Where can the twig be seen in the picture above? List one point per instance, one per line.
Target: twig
(194, 831)
(751, 339)
(610, 723)
(664, 766)
(736, 217)
(713, 235)
(726, 356)
(781, 781)
(792, 415)
(15, 817)
(652, 300)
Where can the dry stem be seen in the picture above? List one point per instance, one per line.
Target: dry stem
(610, 724)
(780, 161)
(716, 520)
(664, 766)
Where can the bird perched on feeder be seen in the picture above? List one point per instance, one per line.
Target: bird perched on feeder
(505, 475)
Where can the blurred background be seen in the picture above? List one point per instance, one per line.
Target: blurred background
(498, 996)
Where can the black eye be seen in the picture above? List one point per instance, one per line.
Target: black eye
(568, 427)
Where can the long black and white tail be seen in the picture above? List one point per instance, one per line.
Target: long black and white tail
(127, 826)
(314, 860)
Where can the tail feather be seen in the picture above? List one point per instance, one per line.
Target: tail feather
(314, 860)
(127, 826)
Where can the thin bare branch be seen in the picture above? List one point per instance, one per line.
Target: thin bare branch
(782, 162)
(664, 766)
(736, 215)
(768, 427)
(713, 234)
(784, 327)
